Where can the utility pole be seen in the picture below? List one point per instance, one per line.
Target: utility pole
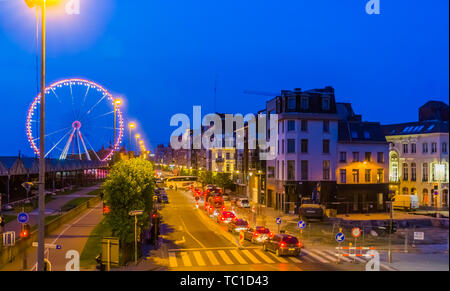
(41, 221)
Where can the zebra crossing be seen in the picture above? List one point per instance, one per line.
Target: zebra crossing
(233, 256)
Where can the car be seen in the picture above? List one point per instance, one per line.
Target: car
(7, 207)
(237, 225)
(226, 197)
(283, 245)
(243, 202)
(258, 234)
(164, 198)
(226, 217)
(310, 209)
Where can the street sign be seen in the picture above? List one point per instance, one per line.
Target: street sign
(340, 237)
(9, 238)
(356, 232)
(48, 246)
(22, 217)
(301, 224)
(278, 220)
(135, 212)
(419, 236)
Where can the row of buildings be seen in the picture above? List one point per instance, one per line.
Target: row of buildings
(327, 152)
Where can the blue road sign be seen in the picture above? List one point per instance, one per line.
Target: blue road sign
(22, 217)
(58, 247)
(278, 220)
(301, 224)
(340, 237)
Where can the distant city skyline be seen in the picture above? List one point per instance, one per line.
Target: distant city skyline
(162, 58)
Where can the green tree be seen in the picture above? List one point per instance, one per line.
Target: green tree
(223, 180)
(130, 186)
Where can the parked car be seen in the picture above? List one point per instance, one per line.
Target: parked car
(406, 202)
(283, 245)
(7, 207)
(226, 197)
(226, 217)
(243, 202)
(258, 234)
(164, 198)
(309, 209)
(237, 225)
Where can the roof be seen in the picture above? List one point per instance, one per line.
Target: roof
(418, 127)
(358, 131)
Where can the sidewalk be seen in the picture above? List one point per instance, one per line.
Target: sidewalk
(51, 208)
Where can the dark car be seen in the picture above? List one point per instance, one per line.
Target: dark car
(164, 198)
(258, 234)
(283, 245)
(237, 225)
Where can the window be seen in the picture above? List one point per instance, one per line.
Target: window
(368, 156)
(355, 175)
(291, 103)
(291, 146)
(326, 126)
(326, 170)
(304, 103)
(405, 190)
(405, 171)
(343, 176)
(304, 169)
(355, 156)
(444, 147)
(278, 170)
(413, 171)
(326, 146)
(227, 156)
(291, 125)
(380, 175)
(304, 125)
(413, 148)
(425, 172)
(367, 175)
(354, 134)
(304, 146)
(291, 170)
(282, 146)
(282, 170)
(228, 167)
(424, 148)
(366, 135)
(270, 172)
(326, 103)
(405, 148)
(380, 157)
(342, 157)
(433, 147)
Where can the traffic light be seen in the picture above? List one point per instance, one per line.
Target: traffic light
(106, 209)
(25, 231)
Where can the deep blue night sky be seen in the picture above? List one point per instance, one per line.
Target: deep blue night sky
(163, 56)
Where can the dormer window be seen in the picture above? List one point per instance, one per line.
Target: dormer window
(326, 103)
(291, 103)
(304, 103)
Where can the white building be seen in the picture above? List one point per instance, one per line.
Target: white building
(418, 157)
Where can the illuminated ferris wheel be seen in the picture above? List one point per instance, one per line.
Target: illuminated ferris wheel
(82, 121)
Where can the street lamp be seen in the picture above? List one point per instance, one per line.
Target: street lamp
(41, 211)
(116, 105)
(137, 136)
(131, 126)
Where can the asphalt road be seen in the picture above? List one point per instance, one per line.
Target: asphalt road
(193, 241)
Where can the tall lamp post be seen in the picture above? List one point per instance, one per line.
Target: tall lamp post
(116, 105)
(137, 137)
(41, 211)
(131, 126)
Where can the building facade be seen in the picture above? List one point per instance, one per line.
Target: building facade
(418, 156)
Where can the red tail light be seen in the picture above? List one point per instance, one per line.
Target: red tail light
(299, 244)
(222, 218)
(270, 234)
(282, 244)
(256, 234)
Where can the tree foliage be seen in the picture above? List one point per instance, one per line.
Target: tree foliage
(130, 186)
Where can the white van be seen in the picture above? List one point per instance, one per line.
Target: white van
(406, 202)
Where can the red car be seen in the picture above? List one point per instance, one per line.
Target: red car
(258, 234)
(226, 217)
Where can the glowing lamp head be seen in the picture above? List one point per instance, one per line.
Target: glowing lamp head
(117, 101)
(132, 125)
(34, 3)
